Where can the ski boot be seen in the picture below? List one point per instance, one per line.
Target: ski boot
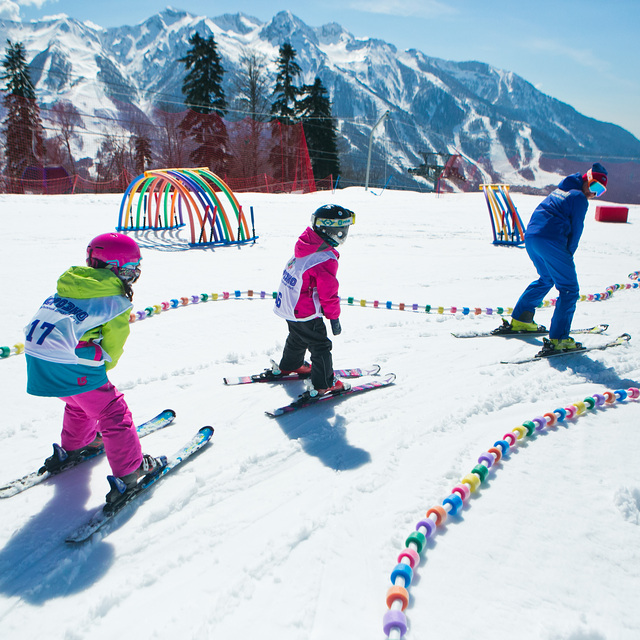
(555, 345)
(517, 326)
(275, 372)
(121, 487)
(302, 371)
(336, 388)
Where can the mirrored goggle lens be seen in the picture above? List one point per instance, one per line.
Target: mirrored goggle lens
(597, 188)
(129, 274)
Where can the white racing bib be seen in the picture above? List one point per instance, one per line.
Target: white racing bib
(55, 330)
(291, 285)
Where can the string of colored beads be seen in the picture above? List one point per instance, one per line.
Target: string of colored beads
(17, 348)
(196, 299)
(394, 622)
(400, 306)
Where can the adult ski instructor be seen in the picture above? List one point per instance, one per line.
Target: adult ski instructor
(551, 239)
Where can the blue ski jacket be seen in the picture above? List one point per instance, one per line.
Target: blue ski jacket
(560, 216)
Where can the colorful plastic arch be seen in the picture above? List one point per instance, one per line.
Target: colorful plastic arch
(505, 220)
(163, 199)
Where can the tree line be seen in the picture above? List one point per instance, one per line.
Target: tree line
(269, 133)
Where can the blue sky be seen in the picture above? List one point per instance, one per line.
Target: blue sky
(583, 52)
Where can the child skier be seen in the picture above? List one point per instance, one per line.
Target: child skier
(309, 290)
(551, 239)
(76, 336)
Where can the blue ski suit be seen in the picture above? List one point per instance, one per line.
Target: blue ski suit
(551, 239)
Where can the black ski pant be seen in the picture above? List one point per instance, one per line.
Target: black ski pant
(311, 335)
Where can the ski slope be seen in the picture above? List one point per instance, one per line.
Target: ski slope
(289, 529)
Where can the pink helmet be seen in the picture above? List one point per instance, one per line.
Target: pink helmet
(117, 252)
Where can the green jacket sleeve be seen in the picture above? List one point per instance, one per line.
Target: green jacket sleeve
(114, 335)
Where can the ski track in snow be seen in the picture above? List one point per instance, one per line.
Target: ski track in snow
(289, 528)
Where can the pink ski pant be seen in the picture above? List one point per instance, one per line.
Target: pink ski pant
(102, 410)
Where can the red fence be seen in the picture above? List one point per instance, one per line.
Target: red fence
(79, 153)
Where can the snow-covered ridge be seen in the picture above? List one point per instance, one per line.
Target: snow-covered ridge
(428, 98)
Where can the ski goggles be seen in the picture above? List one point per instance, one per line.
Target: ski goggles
(128, 272)
(595, 187)
(335, 222)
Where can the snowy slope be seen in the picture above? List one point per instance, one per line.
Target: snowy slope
(290, 529)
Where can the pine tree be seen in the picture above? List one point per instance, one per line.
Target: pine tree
(142, 153)
(285, 106)
(22, 127)
(204, 96)
(284, 154)
(319, 130)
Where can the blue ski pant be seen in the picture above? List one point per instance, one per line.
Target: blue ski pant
(555, 266)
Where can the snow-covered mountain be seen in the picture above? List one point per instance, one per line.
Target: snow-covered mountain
(496, 119)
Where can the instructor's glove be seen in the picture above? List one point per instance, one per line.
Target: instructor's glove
(336, 329)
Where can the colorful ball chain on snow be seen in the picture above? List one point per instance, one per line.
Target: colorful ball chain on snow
(17, 348)
(351, 301)
(184, 301)
(476, 311)
(395, 621)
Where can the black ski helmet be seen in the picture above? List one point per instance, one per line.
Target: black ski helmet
(331, 222)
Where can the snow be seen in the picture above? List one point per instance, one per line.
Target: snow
(290, 528)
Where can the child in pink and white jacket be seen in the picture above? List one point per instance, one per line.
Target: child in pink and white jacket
(308, 291)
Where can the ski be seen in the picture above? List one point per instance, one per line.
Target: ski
(107, 512)
(163, 419)
(597, 329)
(622, 339)
(308, 402)
(268, 376)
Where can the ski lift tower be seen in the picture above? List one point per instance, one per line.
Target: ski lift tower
(375, 126)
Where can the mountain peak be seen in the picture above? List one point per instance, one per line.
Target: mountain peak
(240, 23)
(286, 27)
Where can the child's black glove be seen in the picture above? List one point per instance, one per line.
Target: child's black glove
(336, 329)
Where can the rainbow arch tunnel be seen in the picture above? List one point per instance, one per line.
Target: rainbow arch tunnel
(163, 199)
(506, 223)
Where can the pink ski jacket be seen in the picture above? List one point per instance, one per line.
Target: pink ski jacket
(309, 286)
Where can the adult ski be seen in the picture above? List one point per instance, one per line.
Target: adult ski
(268, 376)
(107, 512)
(162, 420)
(621, 339)
(597, 329)
(306, 401)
